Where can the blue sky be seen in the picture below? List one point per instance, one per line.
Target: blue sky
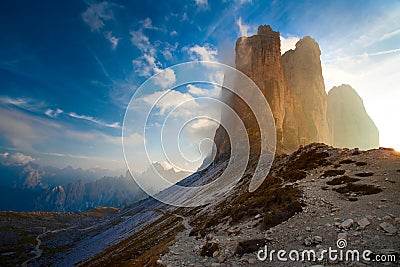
(69, 68)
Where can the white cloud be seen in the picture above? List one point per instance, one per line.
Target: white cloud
(288, 43)
(201, 4)
(173, 33)
(194, 90)
(166, 101)
(243, 29)
(148, 24)
(147, 65)
(53, 113)
(144, 65)
(165, 78)
(91, 119)
(203, 124)
(169, 50)
(112, 39)
(96, 14)
(141, 41)
(15, 159)
(204, 53)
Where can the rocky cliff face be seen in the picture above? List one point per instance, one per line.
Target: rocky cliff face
(259, 57)
(294, 88)
(303, 74)
(349, 122)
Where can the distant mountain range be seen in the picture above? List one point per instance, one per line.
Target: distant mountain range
(31, 187)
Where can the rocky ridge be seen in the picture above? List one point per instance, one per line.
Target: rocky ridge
(365, 221)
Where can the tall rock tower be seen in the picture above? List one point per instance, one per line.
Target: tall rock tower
(259, 57)
(349, 122)
(303, 74)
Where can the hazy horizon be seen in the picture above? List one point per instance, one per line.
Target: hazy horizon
(69, 70)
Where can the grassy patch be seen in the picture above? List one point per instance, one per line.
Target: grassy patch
(294, 175)
(364, 174)
(100, 212)
(276, 203)
(342, 180)
(359, 189)
(330, 173)
(308, 160)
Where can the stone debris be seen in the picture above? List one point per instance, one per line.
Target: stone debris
(388, 227)
(363, 223)
(342, 236)
(347, 224)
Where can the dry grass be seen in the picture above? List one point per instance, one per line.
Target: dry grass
(100, 212)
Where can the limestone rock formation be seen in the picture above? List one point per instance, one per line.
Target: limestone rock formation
(303, 74)
(294, 87)
(348, 120)
(259, 57)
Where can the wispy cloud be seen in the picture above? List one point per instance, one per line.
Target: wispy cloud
(141, 41)
(148, 24)
(31, 134)
(96, 121)
(96, 14)
(112, 39)
(365, 55)
(147, 65)
(242, 27)
(23, 103)
(201, 4)
(53, 113)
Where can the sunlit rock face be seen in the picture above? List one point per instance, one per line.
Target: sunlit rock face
(294, 87)
(303, 74)
(348, 120)
(258, 57)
